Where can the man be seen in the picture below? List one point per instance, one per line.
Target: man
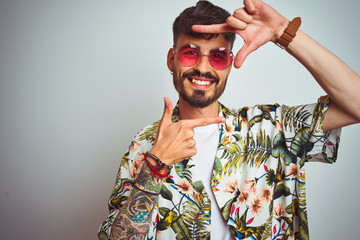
(205, 171)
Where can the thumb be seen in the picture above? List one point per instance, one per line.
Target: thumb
(250, 6)
(168, 111)
(241, 56)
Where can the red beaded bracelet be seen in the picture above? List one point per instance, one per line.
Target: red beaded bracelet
(155, 171)
(159, 162)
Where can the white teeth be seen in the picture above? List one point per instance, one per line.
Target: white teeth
(204, 83)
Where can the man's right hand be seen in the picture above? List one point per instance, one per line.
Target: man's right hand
(174, 141)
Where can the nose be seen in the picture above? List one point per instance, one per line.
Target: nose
(203, 64)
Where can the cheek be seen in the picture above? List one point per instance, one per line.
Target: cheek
(177, 80)
(176, 71)
(179, 72)
(223, 81)
(224, 76)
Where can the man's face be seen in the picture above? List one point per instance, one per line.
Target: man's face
(199, 85)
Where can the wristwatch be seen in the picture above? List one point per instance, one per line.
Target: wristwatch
(289, 33)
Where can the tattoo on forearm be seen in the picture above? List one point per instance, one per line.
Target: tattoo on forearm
(148, 181)
(141, 206)
(134, 218)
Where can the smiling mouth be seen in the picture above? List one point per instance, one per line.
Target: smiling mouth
(201, 82)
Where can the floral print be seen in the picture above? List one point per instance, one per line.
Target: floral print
(279, 210)
(231, 186)
(266, 195)
(258, 178)
(184, 186)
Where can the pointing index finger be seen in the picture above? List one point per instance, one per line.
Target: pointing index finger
(213, 28)
(205, 121)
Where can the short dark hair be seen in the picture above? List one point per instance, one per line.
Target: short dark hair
(204, 13)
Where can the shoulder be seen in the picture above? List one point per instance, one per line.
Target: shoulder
(148, 133)
(246, 111)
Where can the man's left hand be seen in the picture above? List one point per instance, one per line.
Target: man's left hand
(257, 23)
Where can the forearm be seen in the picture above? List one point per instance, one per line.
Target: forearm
(125, 226)
(337, 79)
(134, 218)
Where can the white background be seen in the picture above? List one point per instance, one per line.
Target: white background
(78, 79)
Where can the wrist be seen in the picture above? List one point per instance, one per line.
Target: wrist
(147, 181)
(280, 31)
(158, 159)
(155, 165)
(159, 164)
(152, 161)
(289, 33)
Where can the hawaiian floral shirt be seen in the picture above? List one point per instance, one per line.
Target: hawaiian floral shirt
(258, 177)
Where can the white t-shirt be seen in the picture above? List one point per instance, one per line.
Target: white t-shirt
(207, 139)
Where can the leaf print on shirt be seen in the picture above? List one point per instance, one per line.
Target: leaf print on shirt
(254, 151)
(295, 117)
(149, 133)
(197, 216)
(118, 196)
(295, 210)
(233, 152)
(258, 150)
(273, 177)
(242, 231)
(183, 169)
(266, 109)
(167, 218)
(281, 151)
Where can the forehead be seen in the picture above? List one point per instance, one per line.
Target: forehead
(203, 44)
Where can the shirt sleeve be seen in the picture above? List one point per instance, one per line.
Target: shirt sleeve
(326, 145)
(303, 131)
(129, 169)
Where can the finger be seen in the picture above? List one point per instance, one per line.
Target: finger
(168, 111)
(236, 23)
(241, 56)
(250, 6)
(204, 121)
(213, 28)
(190, 152)
(187, 133)
(241, 14)
(190, 142)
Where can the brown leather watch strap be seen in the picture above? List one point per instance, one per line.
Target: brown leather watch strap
(289, 33)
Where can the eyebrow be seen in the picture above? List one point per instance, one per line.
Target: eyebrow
(198, 47)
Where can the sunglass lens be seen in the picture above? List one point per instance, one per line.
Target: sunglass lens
(220, 58)
(188, 55)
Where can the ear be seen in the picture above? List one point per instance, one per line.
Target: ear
(170, 59)
(230, 67)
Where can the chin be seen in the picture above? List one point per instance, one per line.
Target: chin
(198, 99)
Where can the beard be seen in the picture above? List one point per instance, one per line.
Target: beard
(198, 98)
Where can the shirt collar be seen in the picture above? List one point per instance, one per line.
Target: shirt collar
(223, 112)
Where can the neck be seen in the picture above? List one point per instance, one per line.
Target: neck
(188, 112)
